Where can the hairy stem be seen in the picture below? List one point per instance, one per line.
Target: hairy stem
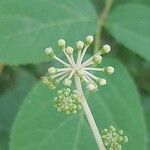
(100, 24)
(89, 115)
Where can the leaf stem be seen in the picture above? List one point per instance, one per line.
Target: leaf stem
(100, 24)
(89, 115)
(1, 67)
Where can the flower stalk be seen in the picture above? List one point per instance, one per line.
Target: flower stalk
(69, 101)
(88, 114)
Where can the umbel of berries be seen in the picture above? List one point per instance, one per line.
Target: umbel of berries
(79, 68)
(74, 71)
(67, 102)
(113, 138)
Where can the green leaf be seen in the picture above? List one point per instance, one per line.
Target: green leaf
(10, 101)
(39, 126)
(28, 27)
(129, 24)
(116, 3)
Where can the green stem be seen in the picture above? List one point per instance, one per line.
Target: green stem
(89, 115)
(100, 24)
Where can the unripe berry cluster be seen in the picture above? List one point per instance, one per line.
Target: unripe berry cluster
(67, 102)
(113, 138)
(75, 67)
(78, 67)
(77, 70)
(47, 80)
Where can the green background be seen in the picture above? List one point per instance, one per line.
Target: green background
(28, 120)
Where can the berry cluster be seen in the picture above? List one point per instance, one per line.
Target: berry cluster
(47, 80)
(67, 101)
(77, 67)
(113, 138)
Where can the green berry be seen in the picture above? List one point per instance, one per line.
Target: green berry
(112, 138)
(125, 139)
(67, 82)
(49, 51)
(61, 43)
(67, 102)
(80, 45)
(97, 59)
(109, 70)
(105, 49)
(89, 39)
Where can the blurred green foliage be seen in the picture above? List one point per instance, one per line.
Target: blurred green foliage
(16, 83)
(27, 27)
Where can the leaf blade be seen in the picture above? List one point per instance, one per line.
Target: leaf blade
(37, 114)
(129, 25)
(26, 29)
(11, 99)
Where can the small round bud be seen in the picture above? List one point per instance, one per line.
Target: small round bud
(49, 82)
(97, 59)
(89, 39)
(80, 45)
(104, 131)
(115, 134)
(69, 50)
(120, 138)
(67, 101)
(112, 128)
(109, 70)
(73, 96)
(74, 112)
(66, 93)
(91, 87)
(67, 82)
(59, 109)
(52, 70)
(61, 43)
(68, 90)
(74, 106)
(49, 51)
(103, 136)
(79, 107)
(120, 132)
(52, 86)
(125, 139)
(106, 49)
(60, 92)
(75, 91)
(106, 143)
(45, 80)
(68, 112)
(102, 82)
